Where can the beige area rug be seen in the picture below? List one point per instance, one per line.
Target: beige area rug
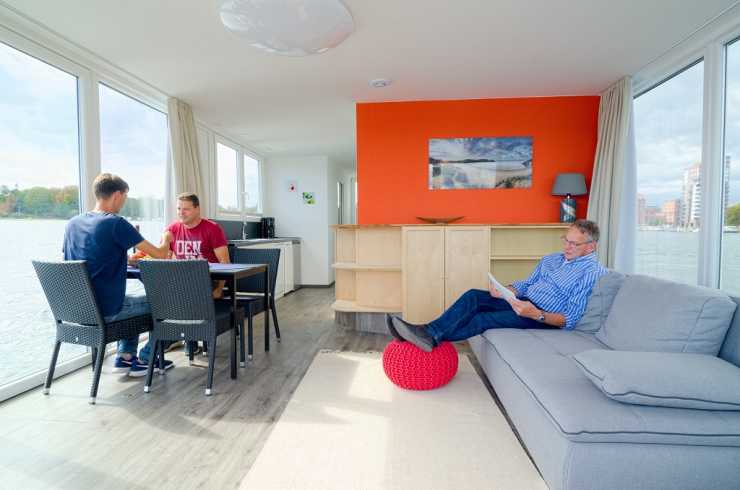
(348, 427)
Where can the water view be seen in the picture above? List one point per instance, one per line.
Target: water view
(26, 325)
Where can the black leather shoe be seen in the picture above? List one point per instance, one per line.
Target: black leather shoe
(416, 335)
(392, 329)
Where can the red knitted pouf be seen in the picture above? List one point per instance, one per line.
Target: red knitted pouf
(413, 369)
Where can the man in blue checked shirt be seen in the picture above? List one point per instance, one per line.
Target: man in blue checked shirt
(553, 296)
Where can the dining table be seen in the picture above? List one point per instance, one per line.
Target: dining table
(231, 273)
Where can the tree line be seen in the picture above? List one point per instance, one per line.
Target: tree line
(64, 203)
(732, 215)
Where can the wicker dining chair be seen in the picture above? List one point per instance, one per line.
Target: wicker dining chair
(179, 293)
(250, 290)
(77, 315)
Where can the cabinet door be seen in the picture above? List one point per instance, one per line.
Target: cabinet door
(296, 265)
(467, 260)
(288, 256)
(280, 280)
(422, 277)
(280, 285)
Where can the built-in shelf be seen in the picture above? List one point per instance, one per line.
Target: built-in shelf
(546, 226)
(353, 307)
(357, 267)
(516, 257)
(513, 249)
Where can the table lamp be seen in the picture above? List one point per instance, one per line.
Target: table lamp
(569, 185)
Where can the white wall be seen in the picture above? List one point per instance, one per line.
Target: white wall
(295, 218)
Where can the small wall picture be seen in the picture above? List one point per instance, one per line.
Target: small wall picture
(308, 198)
(480, 163)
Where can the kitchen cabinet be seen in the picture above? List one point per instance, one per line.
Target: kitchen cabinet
(285, 281)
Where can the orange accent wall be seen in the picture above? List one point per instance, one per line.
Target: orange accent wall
(392, 157)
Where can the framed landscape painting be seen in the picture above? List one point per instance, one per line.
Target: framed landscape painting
(480, 163)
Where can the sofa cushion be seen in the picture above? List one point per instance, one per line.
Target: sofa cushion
(580, 411)
(600, 302)
(663, 379)
(555, 342)
(730, 351)
(650, 314)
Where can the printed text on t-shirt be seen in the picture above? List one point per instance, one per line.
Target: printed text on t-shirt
(188, 249)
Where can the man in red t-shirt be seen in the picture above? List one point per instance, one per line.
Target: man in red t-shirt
(194, 237)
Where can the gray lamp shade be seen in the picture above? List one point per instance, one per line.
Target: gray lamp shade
(569, 183)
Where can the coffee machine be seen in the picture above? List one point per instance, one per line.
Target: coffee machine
(267, 228)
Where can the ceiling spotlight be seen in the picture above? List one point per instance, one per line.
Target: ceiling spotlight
(288, 27)
(380, 82)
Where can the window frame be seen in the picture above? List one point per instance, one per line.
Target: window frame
(29, 37)
(241, 151)
(225, 214)
(692, 63)
(710, 45)
(59, 54)
(86, 156)
(147, 101)
(255, 216)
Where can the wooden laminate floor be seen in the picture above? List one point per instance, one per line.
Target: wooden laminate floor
(173, 437)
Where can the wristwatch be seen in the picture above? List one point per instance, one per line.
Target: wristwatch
(541, 318)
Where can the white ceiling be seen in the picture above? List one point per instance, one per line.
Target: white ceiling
(431, 49)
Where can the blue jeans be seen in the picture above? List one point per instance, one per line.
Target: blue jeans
(472, 314)
(133, 305)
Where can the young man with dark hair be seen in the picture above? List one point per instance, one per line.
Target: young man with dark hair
(554, 296)
(102, 238)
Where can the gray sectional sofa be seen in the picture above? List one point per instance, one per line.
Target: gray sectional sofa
(581, 435)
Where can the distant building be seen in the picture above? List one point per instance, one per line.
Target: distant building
(672, 212)
(641, 205)
(653, 216)
(726, 180)
(691, 196)
(695, 208)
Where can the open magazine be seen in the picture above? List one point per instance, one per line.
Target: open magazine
(505, 292)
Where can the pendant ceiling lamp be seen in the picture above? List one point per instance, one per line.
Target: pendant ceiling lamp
(288, 27)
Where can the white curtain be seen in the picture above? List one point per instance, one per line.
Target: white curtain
(612, 200)
(184, 171)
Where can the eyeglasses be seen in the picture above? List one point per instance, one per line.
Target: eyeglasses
(569, 243)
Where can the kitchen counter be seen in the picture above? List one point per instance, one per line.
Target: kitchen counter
(259, 241)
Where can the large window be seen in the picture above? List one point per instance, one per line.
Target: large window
(39, 191)
(50, 129)
(251, 170)
(668, 129)
(133, 145)
(237, 184)
(227, 191)
(730, 273)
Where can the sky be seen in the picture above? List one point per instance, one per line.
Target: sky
(452, 149)
(668, 131)
(39, 135)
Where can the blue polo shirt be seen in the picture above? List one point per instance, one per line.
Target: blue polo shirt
(102, 239)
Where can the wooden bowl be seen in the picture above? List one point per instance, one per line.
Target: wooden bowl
(441, 220)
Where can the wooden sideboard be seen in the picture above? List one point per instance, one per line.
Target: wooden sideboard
(419, 270)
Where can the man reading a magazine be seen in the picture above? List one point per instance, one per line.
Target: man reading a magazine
(553, 296)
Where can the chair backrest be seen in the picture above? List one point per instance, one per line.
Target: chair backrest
(178, 289)
(255, 284)
(69, 292)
